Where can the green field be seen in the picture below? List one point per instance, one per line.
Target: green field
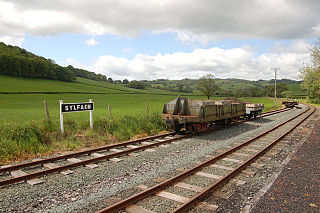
(24, 134)
(27, 107)
(10, 84)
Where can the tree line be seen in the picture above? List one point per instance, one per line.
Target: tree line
(16, 61)
(208, 87)
(310, 73)
(265, 91)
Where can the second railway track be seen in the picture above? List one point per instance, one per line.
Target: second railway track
(250, 150)
(91, 156)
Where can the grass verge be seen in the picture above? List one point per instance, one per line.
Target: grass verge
(24, 141)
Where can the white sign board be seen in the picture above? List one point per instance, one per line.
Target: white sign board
(75, 107)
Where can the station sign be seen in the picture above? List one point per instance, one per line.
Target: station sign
(76, 107)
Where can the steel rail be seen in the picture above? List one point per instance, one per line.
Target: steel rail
(197, 198)
(274, 112)
(135, 198)
(85, 162)
(89, 151)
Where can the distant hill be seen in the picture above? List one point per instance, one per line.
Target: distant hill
(18, 85)
(229, 87)
(16, 61)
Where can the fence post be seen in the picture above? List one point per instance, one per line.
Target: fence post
(61, 117)
(46, 109)
(91, 121)
(109, 109)
(147, 108)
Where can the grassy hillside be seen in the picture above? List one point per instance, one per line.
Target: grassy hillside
(28, 107)
(10, 84)
(17, 84)
(225, 84)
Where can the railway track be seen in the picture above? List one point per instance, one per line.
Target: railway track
(249, 150)
(110, 152)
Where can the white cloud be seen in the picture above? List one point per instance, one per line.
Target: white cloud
(12, 40)
(128, 50)
(223, 63)
(91, 42)
(191, 20)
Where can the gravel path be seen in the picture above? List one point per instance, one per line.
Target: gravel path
(88, 190)
(297, 188)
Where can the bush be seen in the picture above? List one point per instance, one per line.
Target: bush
(18, 140)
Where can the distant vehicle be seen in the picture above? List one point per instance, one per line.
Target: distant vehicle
(253, 110)
(198, 115)
(290, 104)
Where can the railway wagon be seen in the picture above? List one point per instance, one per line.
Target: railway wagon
(290, 104)
(196, 115)
(253, 110)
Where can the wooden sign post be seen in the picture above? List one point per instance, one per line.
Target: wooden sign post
(75, 107)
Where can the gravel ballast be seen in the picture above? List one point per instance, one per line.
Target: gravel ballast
(297, 187)
(88, 190)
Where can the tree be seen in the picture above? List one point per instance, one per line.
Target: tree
(207, 85)
(180, 87)
(281, 87)
(137, 84)
(310, 73)
(110, 80)
(287, 94)
(125, 81)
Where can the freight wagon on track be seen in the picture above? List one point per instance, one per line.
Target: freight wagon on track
(290, 104)
(198, 115)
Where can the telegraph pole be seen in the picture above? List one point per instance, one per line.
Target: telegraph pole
(275, 69)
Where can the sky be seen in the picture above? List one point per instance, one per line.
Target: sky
(167, 39)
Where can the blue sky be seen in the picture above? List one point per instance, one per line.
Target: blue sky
(166, 39)
(65, 46)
